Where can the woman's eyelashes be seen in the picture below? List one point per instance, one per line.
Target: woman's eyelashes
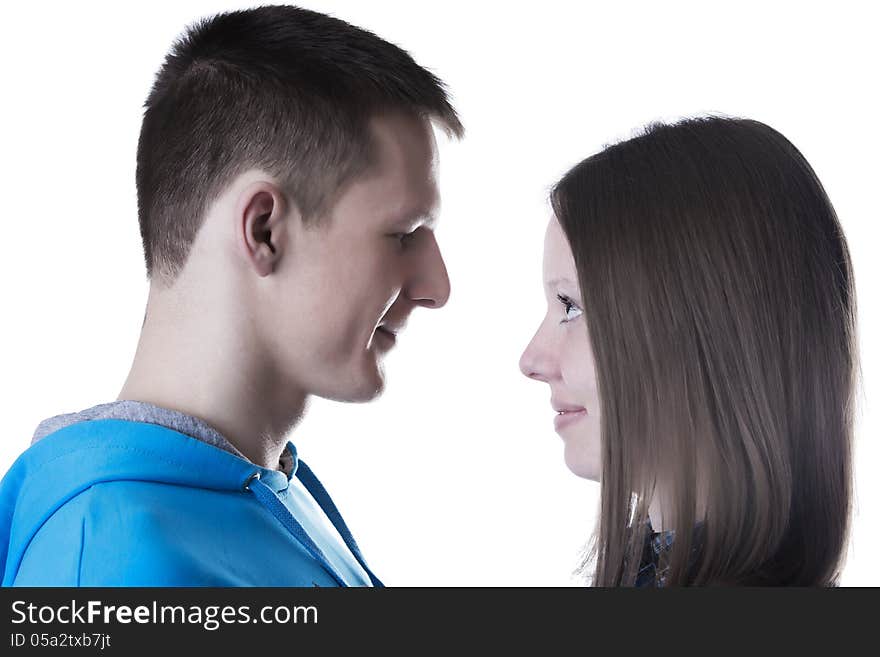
(571, 309)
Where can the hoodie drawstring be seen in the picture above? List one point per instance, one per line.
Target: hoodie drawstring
(267, 497)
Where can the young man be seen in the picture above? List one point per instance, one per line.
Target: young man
(287, 199)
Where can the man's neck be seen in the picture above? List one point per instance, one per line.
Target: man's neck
(263, 449)
(203, 370)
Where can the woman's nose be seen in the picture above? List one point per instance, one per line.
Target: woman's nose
(534, 361)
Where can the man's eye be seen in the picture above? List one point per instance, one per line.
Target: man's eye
(571, 309)
(404, 238)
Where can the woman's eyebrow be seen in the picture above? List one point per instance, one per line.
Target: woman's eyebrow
(556, 281)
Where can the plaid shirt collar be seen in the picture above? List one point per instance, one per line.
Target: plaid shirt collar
(657, 545)
(654, 566)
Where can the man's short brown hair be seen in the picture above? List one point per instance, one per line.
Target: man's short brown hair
(279, 88)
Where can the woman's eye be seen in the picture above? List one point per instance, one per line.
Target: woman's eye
(571, 309)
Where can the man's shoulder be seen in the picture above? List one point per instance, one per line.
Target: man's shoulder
(153, 514)
(153, 534)
(145, 533)
(122, 533)
(105, 536)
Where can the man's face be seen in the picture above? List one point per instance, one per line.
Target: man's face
(347, 285)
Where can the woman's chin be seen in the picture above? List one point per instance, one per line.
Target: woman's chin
(581, 465)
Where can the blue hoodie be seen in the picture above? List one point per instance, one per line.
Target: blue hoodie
(116, 502)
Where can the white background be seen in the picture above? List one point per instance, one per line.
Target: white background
(455, 476)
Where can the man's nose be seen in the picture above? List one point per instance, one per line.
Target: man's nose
(429, 286)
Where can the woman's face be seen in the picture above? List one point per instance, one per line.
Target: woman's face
(561, 356)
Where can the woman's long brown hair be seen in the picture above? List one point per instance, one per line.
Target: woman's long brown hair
(719, 299)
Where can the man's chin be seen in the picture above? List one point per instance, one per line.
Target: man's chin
(367, 395)
(365, 389)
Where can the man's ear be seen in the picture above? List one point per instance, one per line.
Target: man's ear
(262, 215)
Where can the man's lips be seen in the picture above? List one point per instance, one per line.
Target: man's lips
(386, 334)
(389, 327)
(394, 327)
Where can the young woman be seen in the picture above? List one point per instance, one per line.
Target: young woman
(700, 348)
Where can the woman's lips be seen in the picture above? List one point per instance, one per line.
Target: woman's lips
(568, 417)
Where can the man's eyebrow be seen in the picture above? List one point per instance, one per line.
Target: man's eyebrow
(409, 219)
